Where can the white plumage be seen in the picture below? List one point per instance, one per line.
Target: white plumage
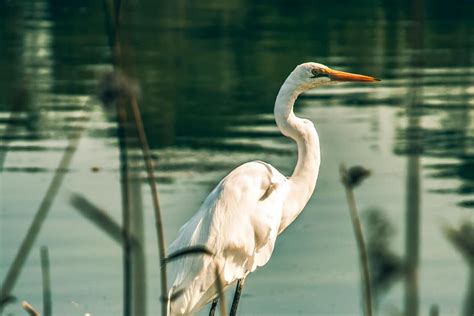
(241, 218)
(241, 237)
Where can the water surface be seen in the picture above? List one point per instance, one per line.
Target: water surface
(208, 74)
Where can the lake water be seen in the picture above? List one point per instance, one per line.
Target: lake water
(208, 73)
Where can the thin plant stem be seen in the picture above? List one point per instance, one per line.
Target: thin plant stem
(188, 251)
(468, 308)
(114, 32)
(414, 147)
(100, 219)
(154, 193)
(359, 236)
(46, 277)
(134, 259)
(137, 238)
(29, 309)
(124, 180)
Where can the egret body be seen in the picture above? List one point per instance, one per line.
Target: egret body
(241, 218)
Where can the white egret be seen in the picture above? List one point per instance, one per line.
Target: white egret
(241, 218)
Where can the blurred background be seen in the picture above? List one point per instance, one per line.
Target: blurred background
(208, 74)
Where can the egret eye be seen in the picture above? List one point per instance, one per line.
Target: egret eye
(315, 73)
(318, 73)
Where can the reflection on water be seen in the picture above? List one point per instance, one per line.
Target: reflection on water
(208, 74)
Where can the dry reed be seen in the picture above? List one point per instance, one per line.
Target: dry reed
(46, 278)
(351, 178)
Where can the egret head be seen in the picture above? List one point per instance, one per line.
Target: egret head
(311, 75)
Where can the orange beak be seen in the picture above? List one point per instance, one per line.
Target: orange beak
(337, 75)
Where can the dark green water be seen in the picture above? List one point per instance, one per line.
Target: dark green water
(208, 74)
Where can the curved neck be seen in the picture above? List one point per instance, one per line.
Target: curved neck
(303, 180)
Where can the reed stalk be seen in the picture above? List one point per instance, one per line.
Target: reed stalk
(46, 277)
(154, 193)
(100, 219)
(29, 309)
(113, 28)
(125, 195)
(350, 178)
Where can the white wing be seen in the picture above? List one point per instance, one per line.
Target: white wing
(239, 223)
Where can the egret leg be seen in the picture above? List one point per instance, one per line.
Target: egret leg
(238, 292)
(213, 307)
